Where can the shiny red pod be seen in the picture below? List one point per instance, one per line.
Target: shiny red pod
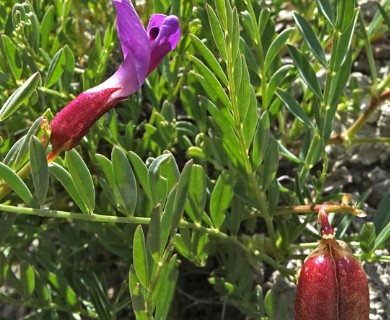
(332, 285)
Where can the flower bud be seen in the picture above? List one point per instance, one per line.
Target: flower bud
(332, 284)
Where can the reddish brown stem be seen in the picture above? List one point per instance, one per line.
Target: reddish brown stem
(315, 208)
(323, 220)
(362, 119)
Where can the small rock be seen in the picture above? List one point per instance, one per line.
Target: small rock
(379, 190)
(377, 175)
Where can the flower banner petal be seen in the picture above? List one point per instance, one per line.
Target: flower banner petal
(132, 36)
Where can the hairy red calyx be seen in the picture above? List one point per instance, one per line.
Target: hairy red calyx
(71, 124)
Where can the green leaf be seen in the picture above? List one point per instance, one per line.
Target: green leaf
(294, 107)
(248, 24)
(69, 67)
(60, 283)
(156, 182)
(17, 184)
(106, 166)
(270, 165)
(99, 299)
(109, 186)
(260, 143)
(20, 96)
(211, 83)
(140, 258)
(183, 244)
(326, 9)
(384, 14)
(209, 57)
(166, 218)
(317, 146)
(276, 79)
(46, 27)
(235, 35)
(141, 172)
(7, 220)
(181, 196)
(263, 20)
(230, 140)
(124, 180)
(197, 195)
(81, 177)
(42, 289)
(269, 304)
(382, 214)
(382, 237)
(345, 12)
(13, 58)
(217, 32)
(246, 102)
(310, 38)
(367, 237)
(337, 86)
(153, 238)
(288, 154)
(220, 200)
(344, 44)
(221, 115)
(39, 169)
(4, 266)
(137, 297)
(275, 47)
(305, 70)
(165, 289)
(56, 68)
(222, 12)
(27, 279)
(66, 180)
(22, 151)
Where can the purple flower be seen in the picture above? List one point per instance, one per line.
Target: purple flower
(142, 51)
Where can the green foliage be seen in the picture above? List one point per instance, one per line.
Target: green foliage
(192, 167)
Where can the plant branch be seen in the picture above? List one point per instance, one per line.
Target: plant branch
(349, 134)
(315, 208)
(144, 221)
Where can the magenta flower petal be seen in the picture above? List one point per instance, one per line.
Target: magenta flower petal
(133, 38)
(127, 78)
(163, 33)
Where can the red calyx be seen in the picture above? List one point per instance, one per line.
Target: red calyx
(71, 124)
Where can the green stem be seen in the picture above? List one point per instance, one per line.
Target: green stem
(76, 216)
(308, 160)
(48, 306)
(369, 54)
(139, 220)
(56, 93)
(312, 245)
(151, 288)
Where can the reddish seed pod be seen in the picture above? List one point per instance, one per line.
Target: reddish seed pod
(332, 284)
